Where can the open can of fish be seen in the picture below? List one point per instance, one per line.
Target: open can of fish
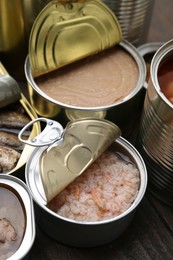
(104, 79)
(17, 18)
(156, 127)
(17, 222)
(97, 205)
(15, 113)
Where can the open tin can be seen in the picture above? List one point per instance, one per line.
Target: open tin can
(156, 127)
(134, 18)
(123, 111)
(15, 112)
(68, 162)
(17, 221)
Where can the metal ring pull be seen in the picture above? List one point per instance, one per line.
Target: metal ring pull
(51, 133)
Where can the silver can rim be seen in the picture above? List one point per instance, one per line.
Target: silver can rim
(150, 47)
(160, 54)
(127, 46)
(41, 202)
(29, 237)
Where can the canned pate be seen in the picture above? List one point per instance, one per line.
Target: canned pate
(134, 18)
(123, 111)
(71, 76)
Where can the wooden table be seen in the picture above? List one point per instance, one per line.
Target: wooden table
(150, 235)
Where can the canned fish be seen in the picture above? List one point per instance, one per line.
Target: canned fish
(101, 228)
(65, 27)
(123, 111)
(17, 222)
(156, 128)
(72, 150)
(16, 19)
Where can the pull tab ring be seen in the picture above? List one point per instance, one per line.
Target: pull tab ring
(52, 132)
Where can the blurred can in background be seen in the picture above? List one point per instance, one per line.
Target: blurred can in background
(134, 17)
(16, 19)
(155, 139)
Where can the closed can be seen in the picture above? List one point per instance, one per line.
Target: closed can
(156, 128)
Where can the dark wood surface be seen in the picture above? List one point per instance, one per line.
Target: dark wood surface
(150, 235)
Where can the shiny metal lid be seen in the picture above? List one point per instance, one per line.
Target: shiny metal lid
(72, 150)
(66, 31)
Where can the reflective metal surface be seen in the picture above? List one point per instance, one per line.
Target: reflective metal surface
(10, 93)
(14, 184)
(71, 152)
(134, 18)
(147, 50)
(156, 132)
(71, 232)
(64, 32)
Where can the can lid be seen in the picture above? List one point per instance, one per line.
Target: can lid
(83, 142)
(9, 88)
(66, 31)
(71, 151)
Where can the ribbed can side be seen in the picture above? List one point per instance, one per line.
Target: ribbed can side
(155, 143)
(134, 18)
(157, 136)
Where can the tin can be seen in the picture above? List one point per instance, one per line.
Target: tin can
(134, 18)
(78, 233)
(63, 33)
(156, 130)
(124, 112)
(17, 210)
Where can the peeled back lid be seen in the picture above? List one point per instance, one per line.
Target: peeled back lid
(66, 31)
(71, 151)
